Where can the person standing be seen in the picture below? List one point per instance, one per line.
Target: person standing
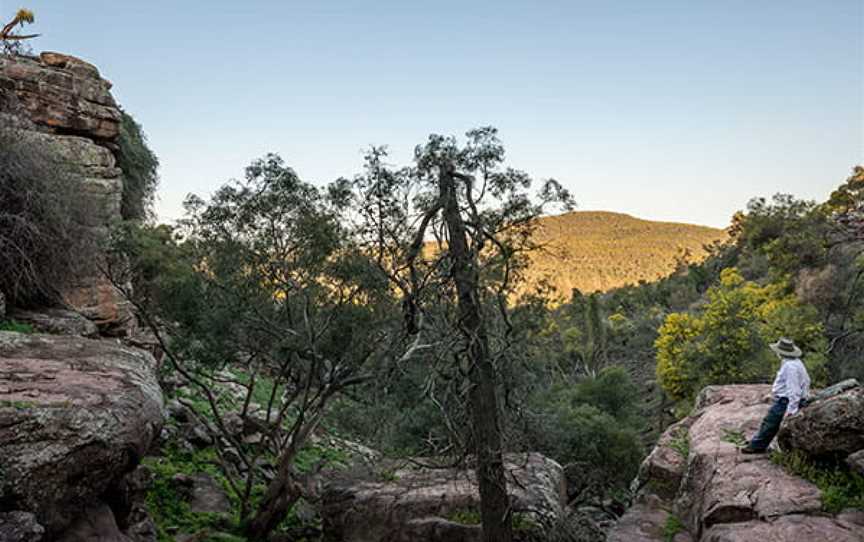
(790, 391)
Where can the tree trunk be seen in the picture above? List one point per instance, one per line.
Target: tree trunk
(284, 490)
(494, 501)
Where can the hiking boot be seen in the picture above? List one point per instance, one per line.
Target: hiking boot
(750, 450)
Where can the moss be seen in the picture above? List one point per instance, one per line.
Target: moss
(672, 527)
(734, 437)
(471, 516)
(680, 442)
(17, 404)
(170, 512)
(464, 516)
(841, 488)
(18, 327)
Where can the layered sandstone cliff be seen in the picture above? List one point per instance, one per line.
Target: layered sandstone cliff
(63, 102)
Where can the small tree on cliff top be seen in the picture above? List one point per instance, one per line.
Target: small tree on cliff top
(12, 42)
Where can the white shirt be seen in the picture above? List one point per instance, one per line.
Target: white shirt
(792, 382)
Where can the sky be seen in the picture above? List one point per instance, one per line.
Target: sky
(666, 110)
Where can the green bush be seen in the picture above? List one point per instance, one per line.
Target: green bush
(841, 488)
(592, 426)
(18, 327)
(140, 170)
(44, 244)
(673, 526)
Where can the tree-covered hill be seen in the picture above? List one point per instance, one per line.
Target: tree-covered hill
(598, 251)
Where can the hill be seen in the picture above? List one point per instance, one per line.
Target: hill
(598, 251)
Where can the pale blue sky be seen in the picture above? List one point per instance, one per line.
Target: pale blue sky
(669, 110)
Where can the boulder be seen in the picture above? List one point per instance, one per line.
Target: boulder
(20, 526)
(203, 493)
(832, 426)
(97, 523)
(719, 494)
(57, 321)
(785, 528)
(128, 501)
(645, 520)
(856, 462)
(76, 415)
(437, 504)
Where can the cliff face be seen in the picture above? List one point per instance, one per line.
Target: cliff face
(63, 101)
(697, 482)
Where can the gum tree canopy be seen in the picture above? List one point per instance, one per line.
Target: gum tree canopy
(452, 230)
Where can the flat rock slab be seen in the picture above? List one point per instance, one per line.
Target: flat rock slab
(434, 504)
(57, 321)
(786, 528)
(726, 486)
(76, 414)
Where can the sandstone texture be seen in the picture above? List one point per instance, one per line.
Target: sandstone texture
(76, 415)
(832, 425)
(435, 504)
(62, 102)
(698, 475)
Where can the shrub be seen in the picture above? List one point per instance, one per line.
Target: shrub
(727, 341)
(592, 427)
(841, 488)
(43, 242)
(18, 327)
(140, 170)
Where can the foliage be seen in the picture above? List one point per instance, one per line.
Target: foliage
(593, 426)
(681, 442)
(726, 342)
(18, 327)
(451, 234)
(841, 488)
(140, 170)
(263, 278)
(170, 510)
(44, 245)
(11, 43)
(734, 437)
(672, 527)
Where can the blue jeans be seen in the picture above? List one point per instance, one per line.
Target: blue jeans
(770, 424)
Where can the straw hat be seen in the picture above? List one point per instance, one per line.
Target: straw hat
(786, 348)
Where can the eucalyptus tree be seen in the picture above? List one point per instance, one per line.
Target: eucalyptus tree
(451, 233)
(264, 279)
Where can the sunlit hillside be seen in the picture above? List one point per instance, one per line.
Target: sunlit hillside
(595, 250)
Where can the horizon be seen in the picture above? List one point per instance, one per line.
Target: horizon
(634, 109)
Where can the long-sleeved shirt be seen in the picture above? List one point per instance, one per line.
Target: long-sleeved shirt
(792, 382)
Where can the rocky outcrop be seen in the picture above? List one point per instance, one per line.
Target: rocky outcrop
(831, 426)
(64, 94)
(698, 480)
(62, 102)
(76, 415)
(20, 527)
(57, 321)
(413, 503)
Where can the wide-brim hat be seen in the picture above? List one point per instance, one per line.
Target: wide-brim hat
(786, 348)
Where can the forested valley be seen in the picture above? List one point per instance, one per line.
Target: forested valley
(390, 356)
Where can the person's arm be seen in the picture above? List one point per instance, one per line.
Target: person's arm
(794, 391)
